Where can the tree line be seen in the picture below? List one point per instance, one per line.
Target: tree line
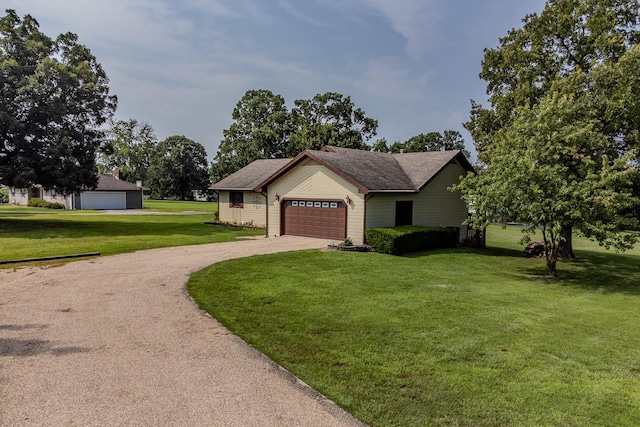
(557, 144)
(263, 128)
(54, 106)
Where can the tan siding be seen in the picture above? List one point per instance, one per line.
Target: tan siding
(18, 196)
(254, 210)
(310, 180)
(435, 205)
(52, 196)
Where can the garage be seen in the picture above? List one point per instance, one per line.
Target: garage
(103, 200)
(324, 219)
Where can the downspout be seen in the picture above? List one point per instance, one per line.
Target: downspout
(218, 207)
(266, 204)
(364, 223)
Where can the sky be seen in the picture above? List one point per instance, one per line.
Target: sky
(182, 66)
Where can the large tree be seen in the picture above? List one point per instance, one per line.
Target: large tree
(127, 147)
(552, 168)
(54, 97)
(570, 39)
(329, 119)
(263, 128)
(431, 141)
(259, 131)
(178, 167)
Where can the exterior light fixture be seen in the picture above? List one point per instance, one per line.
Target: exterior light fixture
(347, 200)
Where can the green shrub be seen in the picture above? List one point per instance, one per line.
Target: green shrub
(4, 195)
(410, 238)
(39, 203)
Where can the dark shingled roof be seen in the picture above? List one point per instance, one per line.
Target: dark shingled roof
(373, 172)
(111, 183)
(420, 168)
(370, 172)
(250, 176)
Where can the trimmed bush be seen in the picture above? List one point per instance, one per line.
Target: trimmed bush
(411, 238)
(39, 203)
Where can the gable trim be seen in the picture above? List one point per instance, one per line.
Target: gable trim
(458, 159)
(296, 161)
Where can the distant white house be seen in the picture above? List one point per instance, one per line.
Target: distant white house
(110, 193)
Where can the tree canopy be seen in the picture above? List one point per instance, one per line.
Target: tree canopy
(329, 119)
(259, 130)
(127, 147)
(263, 128)
(559, 149)
(431, 141)
(178, 167)
(54, 97)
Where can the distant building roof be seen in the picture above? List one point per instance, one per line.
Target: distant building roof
(111, 183)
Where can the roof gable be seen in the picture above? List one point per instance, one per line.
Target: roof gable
(422, 167)
(248, 178)
(111, 183)
(373, 172)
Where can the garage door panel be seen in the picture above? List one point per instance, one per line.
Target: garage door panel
(103, 200)
(317, 220)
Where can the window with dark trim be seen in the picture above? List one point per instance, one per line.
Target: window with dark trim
(404, 212)
(236, 199)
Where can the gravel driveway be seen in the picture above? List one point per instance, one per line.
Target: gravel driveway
(117, 341)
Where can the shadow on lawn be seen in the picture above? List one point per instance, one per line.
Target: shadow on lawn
(607, 273)
(592, 271)
(41, 229)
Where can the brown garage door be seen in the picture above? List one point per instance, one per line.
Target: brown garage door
(318, 218)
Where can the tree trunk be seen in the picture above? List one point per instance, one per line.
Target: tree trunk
(565, 249)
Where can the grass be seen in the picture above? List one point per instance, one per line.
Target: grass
(35, 232)
(179, 206)
(454, 337)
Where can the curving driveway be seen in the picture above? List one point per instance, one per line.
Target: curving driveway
(118, 341)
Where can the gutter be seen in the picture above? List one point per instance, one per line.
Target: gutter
(266, 204)
(364, 223)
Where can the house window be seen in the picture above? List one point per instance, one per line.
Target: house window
(404, 212)
(236, 199)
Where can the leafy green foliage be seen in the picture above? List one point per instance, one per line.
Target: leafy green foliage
(410, 238)
(127, 148)
(39, 203)
(329, 119)
(259, 131)
(4, 195)
(568, 36)
(432, 141)
(263, 128)
(549, 170)
(178, 166)
(54, 97)
(453, 337)
(559, 142)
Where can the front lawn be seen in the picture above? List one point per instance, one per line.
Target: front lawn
(36, 232)
(178, 206)
(452, 337)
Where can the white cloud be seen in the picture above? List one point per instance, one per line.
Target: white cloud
(296, 13)
(415, 20)
(385, 80)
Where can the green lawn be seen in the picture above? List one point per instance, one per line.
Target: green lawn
(179, 206)
(454, 337)
(36, 232)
